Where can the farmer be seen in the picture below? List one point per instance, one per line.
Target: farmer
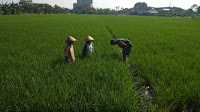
(123, 43)
(69, 50)
(88, 47)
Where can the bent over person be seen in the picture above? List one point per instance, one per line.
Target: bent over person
(69, 50)
(125, 44)
(88, 47)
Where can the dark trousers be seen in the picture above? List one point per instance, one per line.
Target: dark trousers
(66, 59)
(128, 48)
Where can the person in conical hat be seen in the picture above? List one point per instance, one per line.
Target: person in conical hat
(69, 50)
(88, 47)
(70, 39)
(123, 43)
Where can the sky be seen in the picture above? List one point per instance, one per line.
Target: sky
(185, 4)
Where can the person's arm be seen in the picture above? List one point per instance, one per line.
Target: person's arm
(67, 53)
(92, 48)
(121, 44)
(72, 56)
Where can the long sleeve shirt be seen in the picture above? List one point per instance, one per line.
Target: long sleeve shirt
(87, 49)
(69, 53)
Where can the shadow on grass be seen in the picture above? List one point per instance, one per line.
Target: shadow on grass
(58, 62)
(61, 61)
(191, 105)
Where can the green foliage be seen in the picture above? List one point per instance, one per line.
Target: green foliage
(29, 7)
(198, 10)
(13, 8)
(140, 7)
(5, 8)
(35, 77)
(25, 2)
(166, 55)
(194, 7)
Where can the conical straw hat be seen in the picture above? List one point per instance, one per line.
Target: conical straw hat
(89, 38)
(70, 39)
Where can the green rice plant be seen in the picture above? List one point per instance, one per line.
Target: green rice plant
(166, 55)
(34, 77)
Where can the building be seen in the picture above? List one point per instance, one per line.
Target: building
(153, 11)
(79, 5)
(83, 4)
(84, 1)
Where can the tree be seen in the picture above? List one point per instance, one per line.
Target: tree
(29, 1)
(1, 9)
(13, 8)
(194, 7)
(190, 11)
(36, 9)
(19, 9)
(26, 5)
(56, 9)
(140, 7)
(133, 12)
(47, 9)
(5, 8)
(198, 10)
(23, 2)
(91, 10)
(99, 11)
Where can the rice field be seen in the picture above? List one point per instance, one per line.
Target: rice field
(33, 76)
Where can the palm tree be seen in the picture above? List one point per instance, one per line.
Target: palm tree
(13, 8)
(26, 5)
(194, 7)
(5, 8)
(0, 8)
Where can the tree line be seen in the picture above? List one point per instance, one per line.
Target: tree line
(140, 8)
(27, 6)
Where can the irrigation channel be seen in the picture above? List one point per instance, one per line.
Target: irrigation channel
(143, 91)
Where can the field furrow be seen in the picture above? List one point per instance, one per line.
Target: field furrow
(165, 56)
(34, 76)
